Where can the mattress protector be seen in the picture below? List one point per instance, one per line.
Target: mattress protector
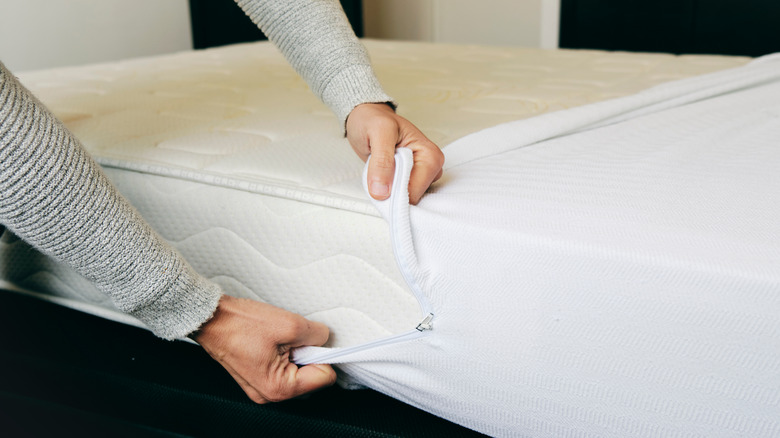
(609, 270)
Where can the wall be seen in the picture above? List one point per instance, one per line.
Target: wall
(529, 23)
(48, 33)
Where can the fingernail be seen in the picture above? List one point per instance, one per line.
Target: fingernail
(378, 189)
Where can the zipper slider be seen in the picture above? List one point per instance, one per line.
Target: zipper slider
(426, 323)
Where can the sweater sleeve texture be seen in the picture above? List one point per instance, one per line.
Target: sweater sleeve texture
(317, 40)
(56, 197)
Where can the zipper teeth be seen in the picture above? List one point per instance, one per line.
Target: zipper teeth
(422, 301)
(330, 355)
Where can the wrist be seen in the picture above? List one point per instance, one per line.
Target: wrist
(212, 325)
(364, 111)
(381, 106)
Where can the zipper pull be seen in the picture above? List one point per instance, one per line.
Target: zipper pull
(426, 323)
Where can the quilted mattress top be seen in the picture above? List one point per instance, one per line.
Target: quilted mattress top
(239, 116)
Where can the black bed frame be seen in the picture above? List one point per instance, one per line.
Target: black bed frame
(726, 27)
(64, 373)
(222, 22)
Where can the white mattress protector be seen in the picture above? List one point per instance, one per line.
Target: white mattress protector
(610, 270)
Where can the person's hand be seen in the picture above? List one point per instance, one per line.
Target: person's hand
(375, 129)
(252, 340)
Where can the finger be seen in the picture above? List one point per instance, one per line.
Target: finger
(248, 389)
(293, 381)
(428, 163)
(438, 175)
(303, 332)
(313, 377)
(381, 166)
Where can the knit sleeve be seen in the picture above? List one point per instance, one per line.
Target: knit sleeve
(318, 41)
(55, 196)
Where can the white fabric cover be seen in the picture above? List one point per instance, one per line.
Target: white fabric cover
(607, 271)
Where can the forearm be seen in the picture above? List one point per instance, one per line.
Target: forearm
(318, 41)
(55, 197)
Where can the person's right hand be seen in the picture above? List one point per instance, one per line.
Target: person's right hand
(252, 340)
(375, 129)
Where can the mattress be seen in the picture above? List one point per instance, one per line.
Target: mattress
(228, 155)
(234, 161)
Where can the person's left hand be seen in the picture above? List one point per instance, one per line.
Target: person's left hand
(375, 129)
(252, 341)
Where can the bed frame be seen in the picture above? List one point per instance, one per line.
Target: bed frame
(725, 27)
(218, 23)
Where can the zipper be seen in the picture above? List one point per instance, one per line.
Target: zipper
(333, 354)
(426, 325)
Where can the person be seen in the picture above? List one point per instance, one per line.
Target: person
(54, 196)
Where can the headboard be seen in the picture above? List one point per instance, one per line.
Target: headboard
(221, 22)
(727, 27)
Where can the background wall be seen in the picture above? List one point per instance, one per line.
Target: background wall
(529, 23)
(48, 33)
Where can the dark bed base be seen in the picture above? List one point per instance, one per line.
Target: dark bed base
(222, 22)
(67, 373)
(726, 27)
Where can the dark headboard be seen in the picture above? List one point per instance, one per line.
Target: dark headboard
(221, 22)
(727, 27)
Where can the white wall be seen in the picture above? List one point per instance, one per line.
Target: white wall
(47, 33)
(529, 23)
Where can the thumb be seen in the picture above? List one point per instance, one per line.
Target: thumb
(381, 166)
(312, 377)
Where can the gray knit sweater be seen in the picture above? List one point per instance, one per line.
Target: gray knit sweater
(54, 196)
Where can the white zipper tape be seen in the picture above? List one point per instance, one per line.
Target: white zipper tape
(396, 212)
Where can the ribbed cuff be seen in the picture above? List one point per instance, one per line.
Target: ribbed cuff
(190, 302)
(351, 87)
